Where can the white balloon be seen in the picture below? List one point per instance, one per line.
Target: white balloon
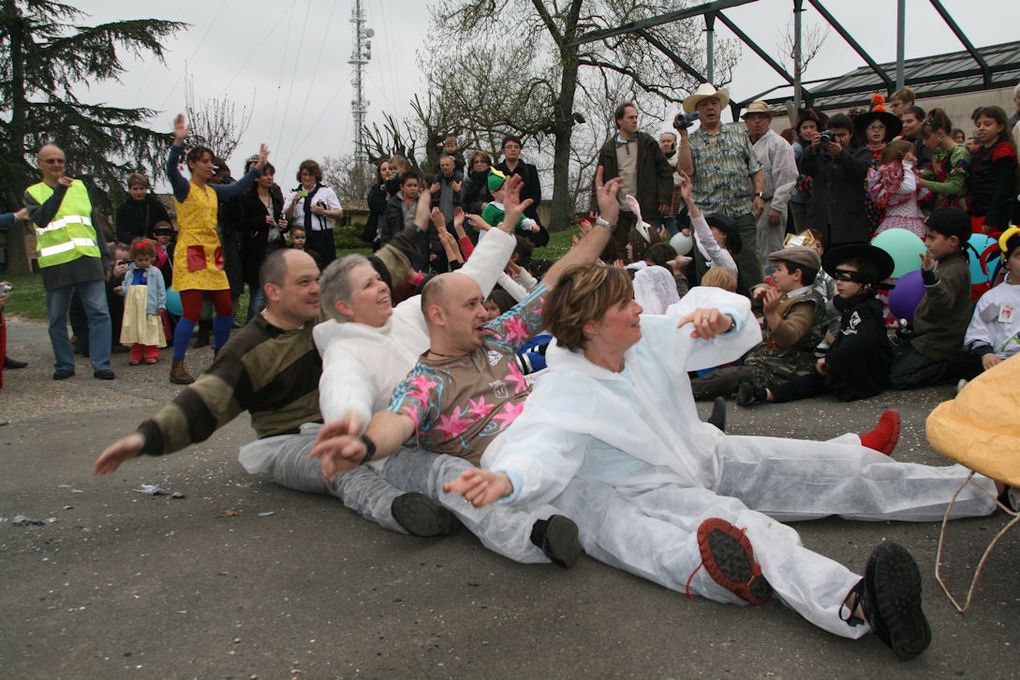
(681, 243)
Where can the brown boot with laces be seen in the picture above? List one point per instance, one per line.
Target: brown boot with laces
(179, 374)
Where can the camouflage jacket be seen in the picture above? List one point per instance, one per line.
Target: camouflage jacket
(799, 358)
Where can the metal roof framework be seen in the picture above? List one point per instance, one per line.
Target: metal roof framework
(969, 70)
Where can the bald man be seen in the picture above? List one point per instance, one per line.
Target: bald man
(466, 388)
(71, 256)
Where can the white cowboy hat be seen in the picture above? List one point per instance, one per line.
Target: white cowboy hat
(704, 91)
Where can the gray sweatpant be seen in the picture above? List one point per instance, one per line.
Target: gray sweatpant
(370, 490)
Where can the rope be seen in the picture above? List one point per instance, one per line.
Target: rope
(197, 48)
(293, 75)
(315, 71)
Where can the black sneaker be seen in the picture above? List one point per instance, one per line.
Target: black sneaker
(421, 517)
(63, 373)
(104, 374)
(718, 415)
(748, 394)
(557, 537)
(12, 364)
(890, 596)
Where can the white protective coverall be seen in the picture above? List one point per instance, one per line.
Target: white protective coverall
(627, 458)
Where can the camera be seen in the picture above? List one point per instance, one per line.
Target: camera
(685, 120)
(827, 137)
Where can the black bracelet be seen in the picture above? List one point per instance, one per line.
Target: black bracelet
(369, 448)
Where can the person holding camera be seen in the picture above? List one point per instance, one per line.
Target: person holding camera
(314, 206)
(725, 171)
(837, 184)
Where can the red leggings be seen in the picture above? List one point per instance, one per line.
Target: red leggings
(191, 302)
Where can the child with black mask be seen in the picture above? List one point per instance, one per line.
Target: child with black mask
(857, 362)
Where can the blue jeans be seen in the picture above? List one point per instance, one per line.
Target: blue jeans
(256, 300)
(93, 298)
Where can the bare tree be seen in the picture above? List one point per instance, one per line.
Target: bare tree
(395, 137)
(520, 70)
(811, 41)
(216, 123)
(349, 179)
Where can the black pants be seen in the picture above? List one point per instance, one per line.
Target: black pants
(801, 387)
(912, 369)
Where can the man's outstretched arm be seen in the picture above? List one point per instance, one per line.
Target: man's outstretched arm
(339, 447)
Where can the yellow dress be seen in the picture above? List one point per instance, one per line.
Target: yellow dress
(140, 327)
(198, 256)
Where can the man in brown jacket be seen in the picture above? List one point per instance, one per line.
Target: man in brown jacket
(636, 158)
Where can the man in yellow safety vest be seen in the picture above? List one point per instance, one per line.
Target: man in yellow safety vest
(71, 256)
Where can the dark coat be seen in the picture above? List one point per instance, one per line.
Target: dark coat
(836, 208)
(475, 192)
(654, 174)
(253, 231)
(858, 362)
(137, 219)
(376, 210)
(532, 189)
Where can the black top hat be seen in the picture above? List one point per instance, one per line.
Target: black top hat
(734, 243)
(863, 251)
(893, 125)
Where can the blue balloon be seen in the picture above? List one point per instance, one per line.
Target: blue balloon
(173, 302)
(904, 298)
(904, 247)
(980, 242)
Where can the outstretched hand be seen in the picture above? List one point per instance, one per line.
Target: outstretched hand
(338, 448)
(263, 156)
(123, 449)
(707, 322)
(513, 206)
(480, 487)
(180, 130)
(609, 202)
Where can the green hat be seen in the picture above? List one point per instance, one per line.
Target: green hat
(496, 179)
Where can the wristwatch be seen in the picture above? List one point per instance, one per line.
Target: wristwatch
(759, 194)
(369, 448)
(605, 224)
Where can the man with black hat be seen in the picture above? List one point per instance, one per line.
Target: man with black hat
(934, 354)
(795, 321)
(857, 362)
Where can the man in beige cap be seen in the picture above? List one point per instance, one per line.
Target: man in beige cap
(795, 321)
(779, 168)
(719, 160)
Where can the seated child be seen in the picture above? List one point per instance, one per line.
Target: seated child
(994, 330)
(934, 354)
(795, 321)
(856, 364)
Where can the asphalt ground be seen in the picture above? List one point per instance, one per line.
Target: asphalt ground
(242, 578)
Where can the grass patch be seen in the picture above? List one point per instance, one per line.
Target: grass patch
(28, 297)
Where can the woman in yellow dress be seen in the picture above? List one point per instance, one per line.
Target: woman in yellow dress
(198, 256)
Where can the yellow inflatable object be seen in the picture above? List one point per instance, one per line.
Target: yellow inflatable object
(981, 427)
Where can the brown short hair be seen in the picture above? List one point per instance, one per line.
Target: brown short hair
(137, 179)
(584, 293)
(904, 95)
(142, 246)
(720, 277)
(312, 167)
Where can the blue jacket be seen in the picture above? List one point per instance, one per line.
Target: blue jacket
(157, 289)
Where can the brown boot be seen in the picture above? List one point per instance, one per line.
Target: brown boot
(179, 374)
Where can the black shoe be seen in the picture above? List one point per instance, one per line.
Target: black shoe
(12, 364)
(103, 374)
(728, 557)
(557, 537)
(890, 596)
(421, 517)
(748, 394)
(718, 415)
(63, 373)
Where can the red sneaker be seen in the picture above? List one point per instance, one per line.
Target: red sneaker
(885, 435)
(729, 559)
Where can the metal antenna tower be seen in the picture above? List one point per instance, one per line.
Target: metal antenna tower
(360, 56)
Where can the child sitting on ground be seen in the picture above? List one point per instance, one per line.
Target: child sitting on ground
(934, 354)
(994, 331)
(145, 300)
(795, 321)
(857, 362)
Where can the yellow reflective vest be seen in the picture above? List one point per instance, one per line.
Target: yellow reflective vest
(70, 234)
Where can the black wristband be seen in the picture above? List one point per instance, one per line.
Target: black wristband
(369, 448)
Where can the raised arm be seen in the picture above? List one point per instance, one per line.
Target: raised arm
(707, 244)
(592, 245)
(173, 173)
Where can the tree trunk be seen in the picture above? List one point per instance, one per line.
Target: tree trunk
(18, 263)
(562, 212)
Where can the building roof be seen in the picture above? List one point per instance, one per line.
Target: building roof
(932, 76)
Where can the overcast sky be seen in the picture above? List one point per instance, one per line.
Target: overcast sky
(288, 61)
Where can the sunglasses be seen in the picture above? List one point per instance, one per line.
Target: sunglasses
(850, 275)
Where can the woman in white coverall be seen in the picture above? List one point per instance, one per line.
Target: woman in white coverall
(610, 437)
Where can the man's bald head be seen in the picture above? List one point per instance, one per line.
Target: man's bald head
(51, 162)
(452, 305)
